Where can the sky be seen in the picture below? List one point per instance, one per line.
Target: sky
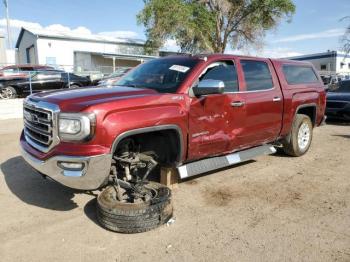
(315, 27)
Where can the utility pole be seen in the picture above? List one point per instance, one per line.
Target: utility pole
(8, 24)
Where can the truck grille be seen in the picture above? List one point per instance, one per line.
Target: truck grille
(40, 125)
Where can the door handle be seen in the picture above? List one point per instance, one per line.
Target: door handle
(237, 104)
(276, 99)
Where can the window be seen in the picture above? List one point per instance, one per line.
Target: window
(257, 75)
(10, 70)
(50, 60)
(164, 75)
(323, 67)
(26, 69)
(299, 74)
(223, 71)
(47, 75)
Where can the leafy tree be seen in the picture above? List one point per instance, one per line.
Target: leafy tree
(211, 25)
(346, 38)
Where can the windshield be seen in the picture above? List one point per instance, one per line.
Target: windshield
(163, 75)
(344, 87)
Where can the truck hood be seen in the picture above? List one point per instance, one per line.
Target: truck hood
(340, 96)
(75, 100)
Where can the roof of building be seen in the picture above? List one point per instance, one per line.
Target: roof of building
(318, 55)
(43, 33)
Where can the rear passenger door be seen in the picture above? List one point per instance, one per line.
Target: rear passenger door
(261, 102)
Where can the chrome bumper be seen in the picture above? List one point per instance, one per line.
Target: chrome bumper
(92, 176)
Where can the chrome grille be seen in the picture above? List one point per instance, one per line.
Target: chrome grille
(40, 121)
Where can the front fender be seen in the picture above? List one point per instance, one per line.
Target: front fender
(160, 113)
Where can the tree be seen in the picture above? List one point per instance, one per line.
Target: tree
(211, 25)
(345, 40)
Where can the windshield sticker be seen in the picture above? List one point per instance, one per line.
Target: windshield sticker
(179, 68)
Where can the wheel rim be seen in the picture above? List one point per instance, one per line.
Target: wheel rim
(304, 135)
(6, 93)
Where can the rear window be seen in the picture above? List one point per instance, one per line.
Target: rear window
(299, 74)
(257, 75)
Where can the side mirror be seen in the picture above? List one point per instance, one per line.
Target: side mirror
(209, 87)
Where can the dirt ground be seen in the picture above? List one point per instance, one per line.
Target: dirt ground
(276, 208)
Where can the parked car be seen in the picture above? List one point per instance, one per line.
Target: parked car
(338, 101)
(93, 76)
(22, 70)
(111, 79)
(40, 81)
(193, 113)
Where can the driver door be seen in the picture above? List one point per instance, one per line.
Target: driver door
(210, 126)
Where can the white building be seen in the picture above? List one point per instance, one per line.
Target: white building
(78, 52)
(3, 59)
(331, 62)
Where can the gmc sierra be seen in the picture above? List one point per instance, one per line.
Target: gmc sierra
(195, 113)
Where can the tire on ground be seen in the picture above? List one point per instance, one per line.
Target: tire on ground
(134, 217)
(292, 147)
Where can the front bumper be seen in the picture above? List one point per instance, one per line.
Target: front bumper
(93, 175)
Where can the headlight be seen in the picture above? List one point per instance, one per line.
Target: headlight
(76, 126)
(70, 126)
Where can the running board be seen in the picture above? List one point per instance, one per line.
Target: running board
(210, 164)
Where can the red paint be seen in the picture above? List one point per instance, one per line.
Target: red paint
(210, 125)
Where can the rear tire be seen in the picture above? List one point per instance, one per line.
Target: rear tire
(300, 136)
(134, 217)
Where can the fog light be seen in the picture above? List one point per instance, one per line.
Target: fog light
(71, 166)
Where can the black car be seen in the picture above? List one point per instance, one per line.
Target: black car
(338, 101)
(40, 81)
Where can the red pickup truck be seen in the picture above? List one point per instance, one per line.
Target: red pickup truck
(195, 113)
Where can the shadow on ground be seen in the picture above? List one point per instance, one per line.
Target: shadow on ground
(32, 189)
(90, 210)
(343, 136)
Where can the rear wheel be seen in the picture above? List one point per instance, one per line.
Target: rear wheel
(126, 216)
(300, 136)
(8, 93)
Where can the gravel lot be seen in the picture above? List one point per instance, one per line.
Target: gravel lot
(273, 209)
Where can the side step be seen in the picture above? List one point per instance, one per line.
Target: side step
(210, 164)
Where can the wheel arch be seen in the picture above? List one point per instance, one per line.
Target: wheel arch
(153, 129)
(310, 110)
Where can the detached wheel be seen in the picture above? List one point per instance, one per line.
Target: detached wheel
(300, 137)
(8, 93)
(126, 217)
